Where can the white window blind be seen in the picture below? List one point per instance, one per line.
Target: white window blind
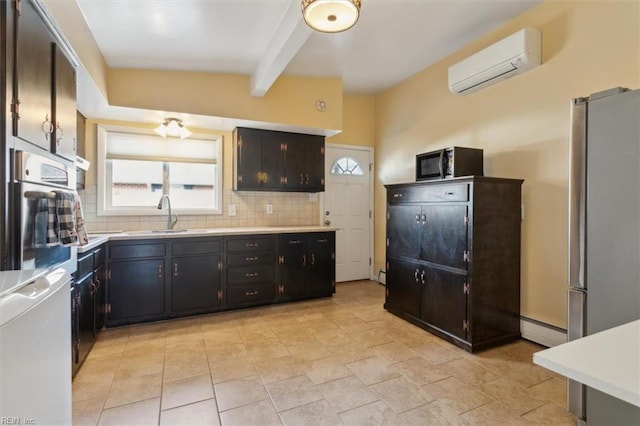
(133, 146)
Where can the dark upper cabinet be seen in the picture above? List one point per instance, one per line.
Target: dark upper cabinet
(44, 98)
(267, 160)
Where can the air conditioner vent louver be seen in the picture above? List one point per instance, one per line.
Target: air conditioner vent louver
(508, 57)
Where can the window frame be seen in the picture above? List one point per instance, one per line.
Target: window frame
(104, 205)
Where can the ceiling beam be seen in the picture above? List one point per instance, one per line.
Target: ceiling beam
(290, 36)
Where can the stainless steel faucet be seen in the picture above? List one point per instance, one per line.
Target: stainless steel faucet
(171, 222)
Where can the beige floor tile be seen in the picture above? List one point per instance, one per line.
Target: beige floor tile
(325, 370)
(226, 351)
(525, 373)
(92, 388)
(108, 347)
(261, 413)
(372, 370)
(134, 389)
(433, 413)
(468, 371)
(347, 393)
(393, 352)
(552, 390)
(420, 371)
(199, 413)
(511, 394)
(136, 349)
(455, 394)
(294, 392)
(373, 337)
(233, 368)
(264, 351)
(87, 412)
(236, 393)
(95, 368)
(317, 413)
(319, 326)
(296, 337)
(493, 413)
(376, 413)
(310, 351)
(400, 394)
(332, 338)
(139, 366)
(221, 337)
(435, 353)
(181, 368)
(550, 414)
(276, 369)
(186, 391)
(139, 413)
(351, 353)
(189, 349)
(353, 325)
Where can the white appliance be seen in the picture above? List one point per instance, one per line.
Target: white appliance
(510, 56)
(35, 347)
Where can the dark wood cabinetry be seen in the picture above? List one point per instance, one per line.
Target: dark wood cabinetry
(453, 258)
(196, 275)
(87, 304)
(44, 98)
(150, 280)
(307, 265)
(267, 160)
(251, 270)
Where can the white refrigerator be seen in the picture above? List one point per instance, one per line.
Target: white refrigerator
(604, 233)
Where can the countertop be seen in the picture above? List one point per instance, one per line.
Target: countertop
(608, 361)
(97, 239)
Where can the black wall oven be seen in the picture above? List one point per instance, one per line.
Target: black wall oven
(35, 178)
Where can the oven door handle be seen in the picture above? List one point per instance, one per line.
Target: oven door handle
(39, 194)
(441, 164)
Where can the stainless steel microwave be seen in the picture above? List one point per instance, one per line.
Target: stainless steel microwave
(449, 162)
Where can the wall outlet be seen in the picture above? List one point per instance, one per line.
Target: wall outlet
(233, 210)
(268, 208)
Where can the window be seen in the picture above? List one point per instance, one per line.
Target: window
(346, 166)
(136, 168)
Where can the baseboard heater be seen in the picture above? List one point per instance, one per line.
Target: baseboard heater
(542, 333)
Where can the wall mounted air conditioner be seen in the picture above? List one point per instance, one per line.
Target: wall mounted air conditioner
(510, 56)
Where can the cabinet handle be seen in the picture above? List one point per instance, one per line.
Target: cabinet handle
(301, 179)
(306, 179)
(175, 269)
(322, 240)
(415, 274)
(92, 290)
(313, 259)
(294, 241)
(304, 260)
(397, 195)
(251, 245)
(424, 218)
(422, 278)
(417, 217)
(251, 293)
(47, 127)
(159, 271)
(59, 133)
(98, 284)
(251, 274)
(251, 258)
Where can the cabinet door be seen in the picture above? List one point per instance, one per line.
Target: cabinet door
(272, 161)
(314, 163)
(136, 289)
(101, 298)
(64, 76)
(195, 283)
(294, 163)
(249, 159)
(74, 330)
(86, 311)
(321, 265)
(403, 230)
(292, 262)
(444, 235)
(33, 78)
(403, 286)
(444, 302)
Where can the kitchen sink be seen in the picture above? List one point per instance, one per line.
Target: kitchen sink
(158, 231)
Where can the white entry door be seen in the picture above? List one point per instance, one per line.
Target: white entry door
(347, 204)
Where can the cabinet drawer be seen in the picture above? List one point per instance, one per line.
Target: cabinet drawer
(98, 257)
(85, 265)
(251, 244)
(259, 257)
(251, 293)
(196, 247)
(130, 251)
(437, 193)
(250, 274)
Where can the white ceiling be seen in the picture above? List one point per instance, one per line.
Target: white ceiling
(393, 39)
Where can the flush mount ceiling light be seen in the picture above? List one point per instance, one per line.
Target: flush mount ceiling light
(172, 127)
(331, 16)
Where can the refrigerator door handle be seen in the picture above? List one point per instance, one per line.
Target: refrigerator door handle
(577, 191)
(577, 306)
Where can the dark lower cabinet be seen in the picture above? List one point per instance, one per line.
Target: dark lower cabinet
(251, 270)
(453, 258)
(195, 283)
(307, 265)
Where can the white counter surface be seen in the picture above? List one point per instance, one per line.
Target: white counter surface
(608, 361)
(96, 240)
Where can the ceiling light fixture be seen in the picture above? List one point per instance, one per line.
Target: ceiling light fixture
(331, 16)
(172, 127)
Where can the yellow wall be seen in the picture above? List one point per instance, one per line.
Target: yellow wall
(358, 121)
(521, 123)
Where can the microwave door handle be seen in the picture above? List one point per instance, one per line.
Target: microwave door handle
(441, 164)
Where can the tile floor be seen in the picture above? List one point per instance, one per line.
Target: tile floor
(333, 361)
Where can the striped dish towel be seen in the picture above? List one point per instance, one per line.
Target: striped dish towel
(65, 211)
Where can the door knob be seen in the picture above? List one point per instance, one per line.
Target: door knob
(326, 213)
(327, 222)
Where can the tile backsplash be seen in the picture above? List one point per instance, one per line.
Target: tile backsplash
(289, 209)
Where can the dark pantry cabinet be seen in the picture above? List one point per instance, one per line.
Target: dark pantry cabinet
(266, 160)
(453, 258)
